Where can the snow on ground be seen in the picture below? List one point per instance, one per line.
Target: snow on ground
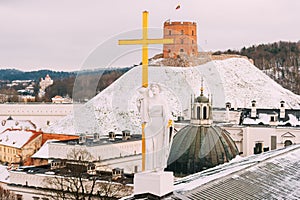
(233, 80)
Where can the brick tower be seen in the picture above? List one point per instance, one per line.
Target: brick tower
(185, 39)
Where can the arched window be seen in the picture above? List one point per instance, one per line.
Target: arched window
(182, 32)
(288, 143)
(198, 112)
(205, 112)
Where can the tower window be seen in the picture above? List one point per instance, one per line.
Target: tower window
(182, 32)
(181, 41)
(170, 32)
(204, 112)
(198, 112)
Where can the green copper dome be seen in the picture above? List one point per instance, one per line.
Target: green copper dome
(196, 148)
(202, 99)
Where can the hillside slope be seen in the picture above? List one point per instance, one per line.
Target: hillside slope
(233, 80)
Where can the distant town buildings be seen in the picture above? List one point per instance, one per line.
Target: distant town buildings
(44, 83)
(60, 99)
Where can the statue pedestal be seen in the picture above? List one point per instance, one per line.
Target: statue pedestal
(154, 183)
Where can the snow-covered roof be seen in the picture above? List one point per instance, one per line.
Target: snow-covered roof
(16, 138)
(16, 124)
(234, 80)
(43, 152)
(264, 119)
(4, 174)
(271, 175)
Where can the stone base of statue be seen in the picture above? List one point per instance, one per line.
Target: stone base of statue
(158, 184)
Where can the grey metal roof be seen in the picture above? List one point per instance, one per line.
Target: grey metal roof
(273, 175)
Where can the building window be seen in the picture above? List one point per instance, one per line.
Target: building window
(192, 41)
(273, 142)
(192, 32)
(135, 169)
(181, 50)
(182, 32)
(19, 197)
(169, 51)
(170, 32)
(181, 41)
(258, 148)
(288, 143)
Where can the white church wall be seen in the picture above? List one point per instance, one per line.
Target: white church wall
(224, 116)
(246, 137)
(236, 133)
(98, 152)
(130, 164)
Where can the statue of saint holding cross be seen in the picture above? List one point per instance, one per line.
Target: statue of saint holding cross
(156, 120)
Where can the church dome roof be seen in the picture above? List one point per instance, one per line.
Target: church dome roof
(202, 99)
(196, 148)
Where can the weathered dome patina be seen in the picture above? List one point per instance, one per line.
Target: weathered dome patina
(196, 148)
(202, 99)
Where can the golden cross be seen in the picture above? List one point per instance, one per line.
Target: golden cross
(145, 41)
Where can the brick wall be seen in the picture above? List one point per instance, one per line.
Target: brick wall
(184, 35)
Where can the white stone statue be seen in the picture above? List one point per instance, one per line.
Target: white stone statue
(158, 131)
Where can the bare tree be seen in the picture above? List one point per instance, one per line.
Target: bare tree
(6, 194)
(73, 181)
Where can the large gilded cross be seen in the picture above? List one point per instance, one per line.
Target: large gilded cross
(145, 41)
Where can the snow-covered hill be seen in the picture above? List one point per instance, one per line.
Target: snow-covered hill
(233, 80)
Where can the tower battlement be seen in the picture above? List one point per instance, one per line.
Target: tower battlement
(179, 23)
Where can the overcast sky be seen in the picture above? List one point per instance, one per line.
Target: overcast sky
(61, 34)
